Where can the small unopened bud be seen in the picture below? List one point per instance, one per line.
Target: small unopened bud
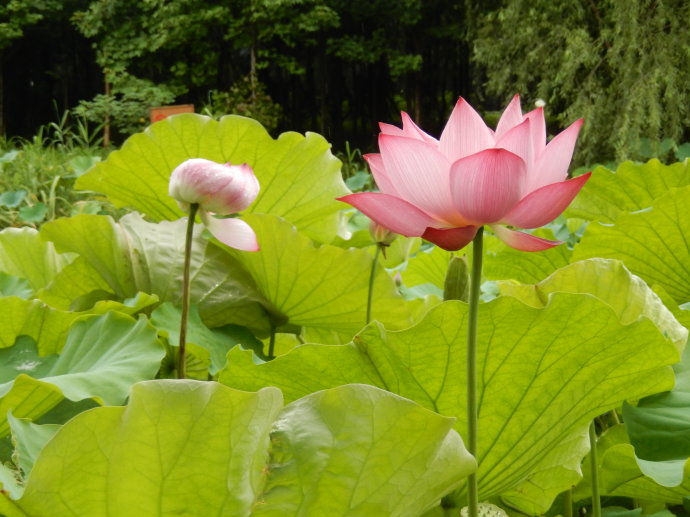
(216, 187)
(457, 284)
(381, 234)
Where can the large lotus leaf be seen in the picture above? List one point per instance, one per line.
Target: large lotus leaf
(23, 254)
(659, 429)
(134, 255)
(502, 262)
(217, 342)
(427, 267)
(299, 176)
(351, 451)
(611, 282)
(14, 286)
(103, 356)
(324, 287)
(620, 474)
(631, 188)
(653, 243)
(47, 326)
(562, 466)
(543, 372)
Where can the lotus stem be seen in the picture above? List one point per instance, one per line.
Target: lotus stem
(372, 275)
(181, 352)
(272, 344)
(472, 412)
(568, 503)
(596, 497)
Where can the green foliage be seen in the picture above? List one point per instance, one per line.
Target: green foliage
(15, 15)
(126, 107)
(296, 458)
(247, 98)
(619, 64)
(37, 177)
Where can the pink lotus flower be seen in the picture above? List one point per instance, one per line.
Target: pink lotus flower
(444, 190)
(218, 189)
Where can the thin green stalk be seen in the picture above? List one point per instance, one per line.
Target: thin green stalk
(472, 413)
(272, 344)
(181, 352)
(372, 275)
(568, 503)
(596, 498)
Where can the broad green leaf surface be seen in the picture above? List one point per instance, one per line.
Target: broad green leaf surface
(30, 439)
(25, 255)
(299, 176)
(561, 467)
(632, 187)
(611, 282)
(15, 286)
(620, 474)
(659, 429)
(217, 342)
(652, 243)
(350, 451)
(134, 255)
(102, 358)
(427, 267)
(543, 372)
(502, 262)
(324, 287)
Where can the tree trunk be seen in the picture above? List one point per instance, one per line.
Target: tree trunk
(2, 95)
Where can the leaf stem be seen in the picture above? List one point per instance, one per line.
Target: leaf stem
(272, 344)
(568, 503)
(372, 275)
(596, 498)
(181, 352)
(472, 412)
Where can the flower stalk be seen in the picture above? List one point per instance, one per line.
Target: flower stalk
(372, 276)
(472, 411)
(181, 352)
(596, 497)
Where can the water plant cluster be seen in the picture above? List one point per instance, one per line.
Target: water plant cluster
(324, 377)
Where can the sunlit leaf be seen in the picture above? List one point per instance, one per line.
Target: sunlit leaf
(652, 243)
(632, 187)
(351, 451)
(23, 254)
(102, 357)
(299, 176)
(543, 373)
(324, 287)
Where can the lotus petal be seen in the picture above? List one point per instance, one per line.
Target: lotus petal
(487, 185)
(545, 204)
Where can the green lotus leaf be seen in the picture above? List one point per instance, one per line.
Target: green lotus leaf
(351, 451)
(45, 325)
(630, 188)
(427, 267)
(324, 288)
(299, 176)
(543, 374)
(15, 286)
(659, 429)
(217, 342)
(652, 243)
(134, 255)
(102, 357)
(611, 282)
(30, 439)
(620, 473)
(562, 466)
(502, 262)
(23, 254)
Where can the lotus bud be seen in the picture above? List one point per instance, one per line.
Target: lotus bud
(216, 187)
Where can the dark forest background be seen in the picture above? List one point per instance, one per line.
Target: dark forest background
(339, 66)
